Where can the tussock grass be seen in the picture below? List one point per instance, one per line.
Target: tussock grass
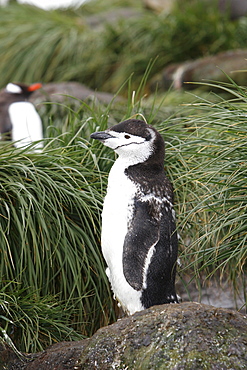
(50, 206)
(31, 322)
(37, 45)
(53, 282)
(206, 155)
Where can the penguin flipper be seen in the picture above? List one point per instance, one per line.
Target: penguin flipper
(139, 243)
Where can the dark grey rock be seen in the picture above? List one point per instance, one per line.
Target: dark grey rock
(61, 92)
(234, 8)
(176, 336)
(215, 68)
(99, 20)
(186, 336)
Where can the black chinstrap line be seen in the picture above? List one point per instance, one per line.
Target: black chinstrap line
(120, 146)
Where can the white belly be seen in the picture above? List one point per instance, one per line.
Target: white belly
(117, 210)
(26, 125)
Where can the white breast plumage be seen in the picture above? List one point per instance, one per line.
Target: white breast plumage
(117, 211)
(26, 124)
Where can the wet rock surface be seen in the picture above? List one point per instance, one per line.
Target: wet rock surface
(177, 336)
(60, 356)
(184, 336)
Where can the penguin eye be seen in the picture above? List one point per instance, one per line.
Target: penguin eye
(127, 136)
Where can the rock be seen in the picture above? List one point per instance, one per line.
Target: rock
(236, 8)
(176, 336)
(60, 356)
(56, 91)
(159, 5)
(186, 336)
(8, 358)
(216, 291)
(233, 8)
(215, 68)
(99, 20)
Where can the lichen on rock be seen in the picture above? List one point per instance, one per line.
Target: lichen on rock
(184, 336)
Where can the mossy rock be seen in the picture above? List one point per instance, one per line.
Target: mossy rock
(185, 336)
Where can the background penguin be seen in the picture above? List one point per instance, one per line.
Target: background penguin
(139, 239)
(19, 119)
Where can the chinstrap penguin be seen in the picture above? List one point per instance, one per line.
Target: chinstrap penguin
(19, 120)
(139, 239)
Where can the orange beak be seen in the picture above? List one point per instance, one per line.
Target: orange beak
(34, 87)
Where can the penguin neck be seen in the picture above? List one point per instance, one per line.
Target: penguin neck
(149, 174)
(13, 98)
(145, 161)
(125, 160)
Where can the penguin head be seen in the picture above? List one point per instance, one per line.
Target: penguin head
(22, 89)
(133, 139)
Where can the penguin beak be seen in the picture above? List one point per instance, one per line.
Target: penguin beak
(34, 87)
(101, 135)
